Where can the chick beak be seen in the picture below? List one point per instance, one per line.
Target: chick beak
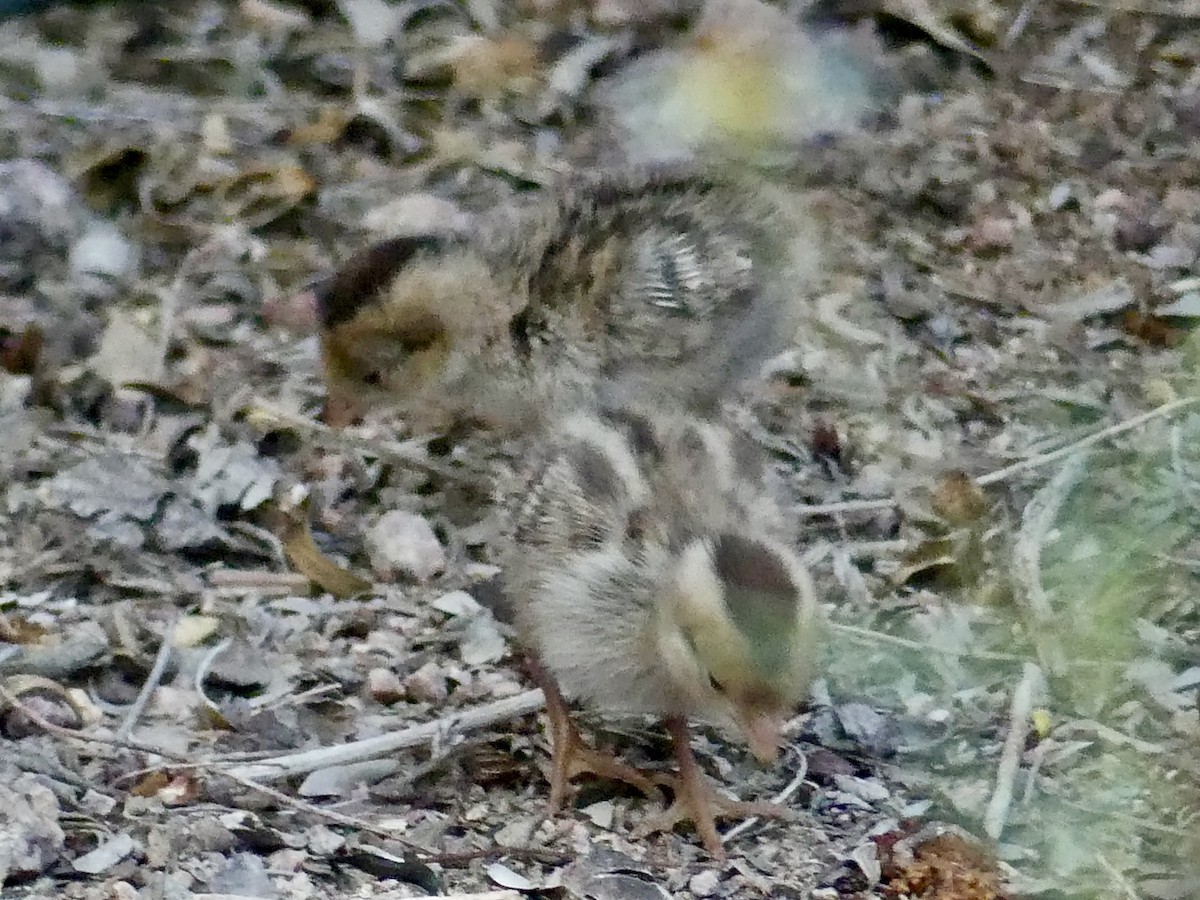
(763, 731)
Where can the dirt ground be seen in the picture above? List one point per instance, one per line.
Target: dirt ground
(984, 426)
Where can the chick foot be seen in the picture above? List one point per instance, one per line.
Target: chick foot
(570, 754)
(698, 802)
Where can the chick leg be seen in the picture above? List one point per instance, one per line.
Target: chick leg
(570, 756)
(696, 800)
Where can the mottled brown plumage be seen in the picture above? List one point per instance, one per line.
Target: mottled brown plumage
(669, 280)
(647, 575)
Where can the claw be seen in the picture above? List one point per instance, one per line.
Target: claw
(698, 802)
(571, 756)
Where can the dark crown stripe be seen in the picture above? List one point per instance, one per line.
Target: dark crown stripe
(760, 597)
(341, 296)
(759, 586)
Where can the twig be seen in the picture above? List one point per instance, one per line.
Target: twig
(846, 506)
(1096, 437)
(262, 580)
(59, 731)
(202, 672)
(782, 797)
(1018, 23)
(430, 856)
(1010, 757)
(410, 453)
(312, 809)
(1187, 485)
(293, 764)
(1118, 877)
(867, 635)
(1037, 520)
(871, 549)
(1033, 462)
(1110, 734)
(152, 682)
(285, 799)
(1167, 11)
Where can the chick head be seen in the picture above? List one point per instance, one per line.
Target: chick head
(736, 632)
(397, 318)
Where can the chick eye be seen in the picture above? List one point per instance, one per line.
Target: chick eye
(714, 684)
(374, 379)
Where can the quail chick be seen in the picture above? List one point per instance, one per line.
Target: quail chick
(646, 575)
(686, 280)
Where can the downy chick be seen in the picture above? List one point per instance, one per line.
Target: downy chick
(685, 280)
(645, 575)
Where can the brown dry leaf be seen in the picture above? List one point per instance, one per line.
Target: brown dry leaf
(260, 195)
(170, 788)
(19, 630)
(958, 499)
(945, 867)
(273, 16)
(309, 561)
(483, 67)
(20, 353)
(329, 126)
(1154, 330)
(489, 67)
(151, 784)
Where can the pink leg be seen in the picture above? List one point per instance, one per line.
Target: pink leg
(697, 802)
(570, 756)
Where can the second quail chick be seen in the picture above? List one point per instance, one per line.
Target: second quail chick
(647, 575)
(685, 279)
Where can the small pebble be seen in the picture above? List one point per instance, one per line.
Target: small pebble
(403, 543)
(516, 833)
(426, 685)
(600, 813)
(457, 603)
(704, 884)
(383, 686)
(103, 250)
(993, 234)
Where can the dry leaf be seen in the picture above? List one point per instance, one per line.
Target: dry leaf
(273, 16)
(933, 558)
(944, 867)
(260, 195)
(19, 630)
(958, 499)
(1154, 330)
(194, 630)
(127, 351)
(329, 126)
(20, 353)
(934, 23)
(309, 561)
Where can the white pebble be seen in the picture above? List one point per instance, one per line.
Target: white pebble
(403, 543)
(704, 884)
(103, 250)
